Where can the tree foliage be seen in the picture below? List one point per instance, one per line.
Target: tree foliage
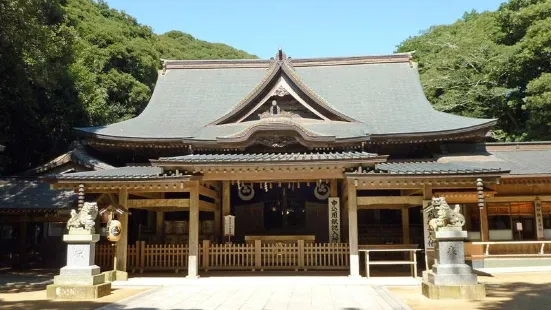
(69, 63)
(493, 65)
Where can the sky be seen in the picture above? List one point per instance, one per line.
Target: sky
(303, 28)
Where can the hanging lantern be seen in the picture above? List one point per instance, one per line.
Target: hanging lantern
(114, 230)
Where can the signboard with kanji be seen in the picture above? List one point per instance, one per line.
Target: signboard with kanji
(428, 214)
(539, 219)
(229, 225)
(334, 219)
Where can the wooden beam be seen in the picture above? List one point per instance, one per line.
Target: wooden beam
(151, 203)
(390, 200)
(267, 175)
(136, 186)
(386, 207)
(518, 198)
(207, 206)
(207, 192)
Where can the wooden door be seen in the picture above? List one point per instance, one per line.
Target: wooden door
(317, 221)
(249, 220)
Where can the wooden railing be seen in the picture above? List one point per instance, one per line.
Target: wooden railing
(257, 256)
(513, 248)
(104, 255)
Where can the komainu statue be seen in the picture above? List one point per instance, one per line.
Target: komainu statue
(84, 220)
(445, 216)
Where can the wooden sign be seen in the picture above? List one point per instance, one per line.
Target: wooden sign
(428, 214)
(539, 219)
(334, 219)
(229, 225)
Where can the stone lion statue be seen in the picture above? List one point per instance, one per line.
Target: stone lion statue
(83, 220)
(446, 216)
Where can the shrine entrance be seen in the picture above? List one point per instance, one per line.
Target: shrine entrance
(281, 209)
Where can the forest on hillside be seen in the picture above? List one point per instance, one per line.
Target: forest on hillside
(492, 65)
(76, 63)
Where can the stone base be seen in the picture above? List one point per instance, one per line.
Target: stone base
(117, 275)
(55, 291)
(470, 291)
(78, 280)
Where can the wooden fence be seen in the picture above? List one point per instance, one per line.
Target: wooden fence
(257, 256)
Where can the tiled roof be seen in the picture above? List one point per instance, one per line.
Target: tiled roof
(431, 168)
(518, 162)
(123, 173)
(268, 157)
(384, 97)
(77, 155)
(25, 194)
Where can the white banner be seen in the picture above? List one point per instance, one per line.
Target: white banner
(229, 225)
(428, 214)
(334, 219)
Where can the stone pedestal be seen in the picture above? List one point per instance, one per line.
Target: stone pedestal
(451, 277)
(81, 278)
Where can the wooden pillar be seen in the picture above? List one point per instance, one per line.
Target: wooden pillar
(225, 204)
(344, 211)
(353, 230)
(218, 223)
(159, 225)
(333, 186)
(405, 226)
(122, 244)
(193, 258)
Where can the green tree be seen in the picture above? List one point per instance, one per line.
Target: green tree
(38, 100)
(492, 65)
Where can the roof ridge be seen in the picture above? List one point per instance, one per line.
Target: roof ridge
(297, 62)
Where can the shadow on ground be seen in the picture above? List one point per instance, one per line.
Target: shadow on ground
(518, 295)
(49, 304)
(17, 281)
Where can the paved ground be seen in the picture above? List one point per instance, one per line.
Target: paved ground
(505, 291)
(300, 296)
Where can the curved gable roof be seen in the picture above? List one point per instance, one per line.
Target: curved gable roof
(381, 96)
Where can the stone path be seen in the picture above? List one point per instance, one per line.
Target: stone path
(300, 296)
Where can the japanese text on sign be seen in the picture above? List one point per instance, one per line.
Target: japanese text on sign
(334, 220)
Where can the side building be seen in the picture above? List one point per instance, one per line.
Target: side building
(317, 159)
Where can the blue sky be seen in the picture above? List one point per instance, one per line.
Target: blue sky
(304, 28)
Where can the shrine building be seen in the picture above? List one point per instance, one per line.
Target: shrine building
(319, 160)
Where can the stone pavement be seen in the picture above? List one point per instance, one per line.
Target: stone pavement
(279, 294)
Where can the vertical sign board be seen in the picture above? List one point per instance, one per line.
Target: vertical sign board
(334, 219)
(539, 220)
(428, 214)
(229, 225)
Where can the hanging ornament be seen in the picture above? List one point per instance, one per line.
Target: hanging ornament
(321, 191)
(114, 230)
(246, 192)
